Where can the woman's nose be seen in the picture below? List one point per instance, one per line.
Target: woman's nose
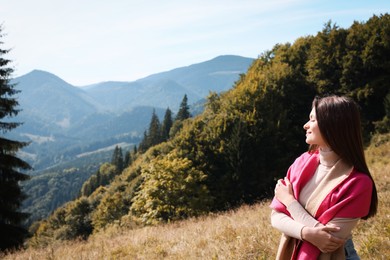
(305, 126)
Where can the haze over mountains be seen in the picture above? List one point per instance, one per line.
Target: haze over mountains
(63, 121)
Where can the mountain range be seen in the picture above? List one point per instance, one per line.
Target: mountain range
(62, 121)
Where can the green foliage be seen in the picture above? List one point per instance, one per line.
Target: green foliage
(241, 140)
(78, 220)
(103, 177)
(127, 161)
(112, 207)
(166, 125)
(325, 59)
(383, 126)
(153, 136)
(69, 222)
(176, 127)
(354, 62)
(53, 188)
(184, 110)
(158, 133)
(117, 159)
(172, 189)
(11, 196)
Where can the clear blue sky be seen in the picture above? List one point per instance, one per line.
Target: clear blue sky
(90, 41)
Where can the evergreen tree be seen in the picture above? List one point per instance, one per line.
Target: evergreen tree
(153, 135)
(326, 56)
(117, 158)
(166, 125)
(144, 144)
(154, 130)
(182, 115)
(128, 160)
(11, 196)
(184, 110)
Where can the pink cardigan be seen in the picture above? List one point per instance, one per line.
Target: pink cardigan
(351, 198)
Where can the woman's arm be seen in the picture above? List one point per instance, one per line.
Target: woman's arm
(333, 238)
(320, 236)
(284, 193)
(286, 225)
(300, 215)
(326, 238)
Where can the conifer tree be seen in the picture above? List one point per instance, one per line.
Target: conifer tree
(182, 114)
(153, 135)
(166, 125)
(154, 130)
(117, 158)
(128, 160)
(144, 144)
(184, 110)
(11, 196)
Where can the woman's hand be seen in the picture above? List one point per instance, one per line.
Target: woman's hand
(284, 192)
(322, 238)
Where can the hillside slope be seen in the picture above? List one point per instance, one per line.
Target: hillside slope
(244, 233)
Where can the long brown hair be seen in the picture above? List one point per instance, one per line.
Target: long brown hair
(338, 119)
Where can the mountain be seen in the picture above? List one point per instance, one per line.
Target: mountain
(217, 74)
(122, 96)
(61, 120)
(166, 89)
(53, 103)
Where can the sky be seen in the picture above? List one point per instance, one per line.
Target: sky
(90, 41)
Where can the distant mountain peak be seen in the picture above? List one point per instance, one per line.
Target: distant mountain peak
(37, 77)
(41, 73)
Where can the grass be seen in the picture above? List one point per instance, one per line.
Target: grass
(241, 234)
(244, 233)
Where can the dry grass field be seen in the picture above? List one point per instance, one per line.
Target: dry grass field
(244, 233)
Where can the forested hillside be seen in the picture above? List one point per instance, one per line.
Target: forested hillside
(244, 233)
(246, 137)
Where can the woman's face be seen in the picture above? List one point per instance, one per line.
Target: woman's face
(313, 134)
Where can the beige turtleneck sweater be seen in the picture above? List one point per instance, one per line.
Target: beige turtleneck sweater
(300, 217)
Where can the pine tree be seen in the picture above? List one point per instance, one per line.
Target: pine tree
(153, 135)
(184, 110)
(128, 159)
(11, 196)
(144, 144)
(117, 159)
(166, 125)
(154, 132)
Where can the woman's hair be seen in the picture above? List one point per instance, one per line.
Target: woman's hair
(338, 119)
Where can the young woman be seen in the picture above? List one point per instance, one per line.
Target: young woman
(327, 189)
